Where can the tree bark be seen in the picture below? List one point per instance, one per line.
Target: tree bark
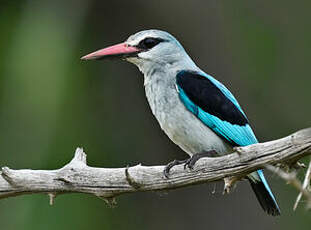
(78, 177)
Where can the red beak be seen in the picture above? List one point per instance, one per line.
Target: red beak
(121, 50)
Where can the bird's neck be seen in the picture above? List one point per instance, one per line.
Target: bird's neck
(162, 67)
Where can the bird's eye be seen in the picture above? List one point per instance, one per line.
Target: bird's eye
(149, 43)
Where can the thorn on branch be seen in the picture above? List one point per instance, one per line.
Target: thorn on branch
(131, 180)
(79, 157)
(238, 150)
(110, 201)
(299, 165)
(52, 197)
(230, 183)
(6, 174)
(296, 165)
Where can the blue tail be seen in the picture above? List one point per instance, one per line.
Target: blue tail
(263, 193)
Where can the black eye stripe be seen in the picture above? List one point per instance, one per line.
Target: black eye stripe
(149, 43)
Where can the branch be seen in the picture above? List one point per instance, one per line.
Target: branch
(291, 178)
(78, 177)
(304, 191)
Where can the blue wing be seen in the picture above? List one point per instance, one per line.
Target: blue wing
(215, 106)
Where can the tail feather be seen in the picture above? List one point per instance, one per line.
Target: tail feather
(264, 193)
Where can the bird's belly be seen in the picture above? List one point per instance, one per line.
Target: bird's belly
(191, 135)
(187, 131)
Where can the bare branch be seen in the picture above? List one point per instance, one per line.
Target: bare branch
(305, 185)
(291, 178)
(107, 183)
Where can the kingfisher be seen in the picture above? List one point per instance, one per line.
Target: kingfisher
(196, 111)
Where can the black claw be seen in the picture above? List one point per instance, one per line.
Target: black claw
(171, 165)
(190, 162)
(195, 157)
(187, 163)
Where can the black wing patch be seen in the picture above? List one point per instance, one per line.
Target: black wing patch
(206, 95)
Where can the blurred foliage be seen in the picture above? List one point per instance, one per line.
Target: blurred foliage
(51, 102)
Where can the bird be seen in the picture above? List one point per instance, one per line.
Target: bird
(196, 111)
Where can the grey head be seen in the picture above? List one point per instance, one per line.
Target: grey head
(159, 49)
(149, 50)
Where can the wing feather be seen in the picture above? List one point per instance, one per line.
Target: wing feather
(238, 134)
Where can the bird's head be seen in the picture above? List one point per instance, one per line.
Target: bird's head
(145, 49)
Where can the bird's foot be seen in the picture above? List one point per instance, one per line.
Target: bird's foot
(192, 160)
(171, 165)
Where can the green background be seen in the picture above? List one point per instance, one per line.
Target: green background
(51, 102)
